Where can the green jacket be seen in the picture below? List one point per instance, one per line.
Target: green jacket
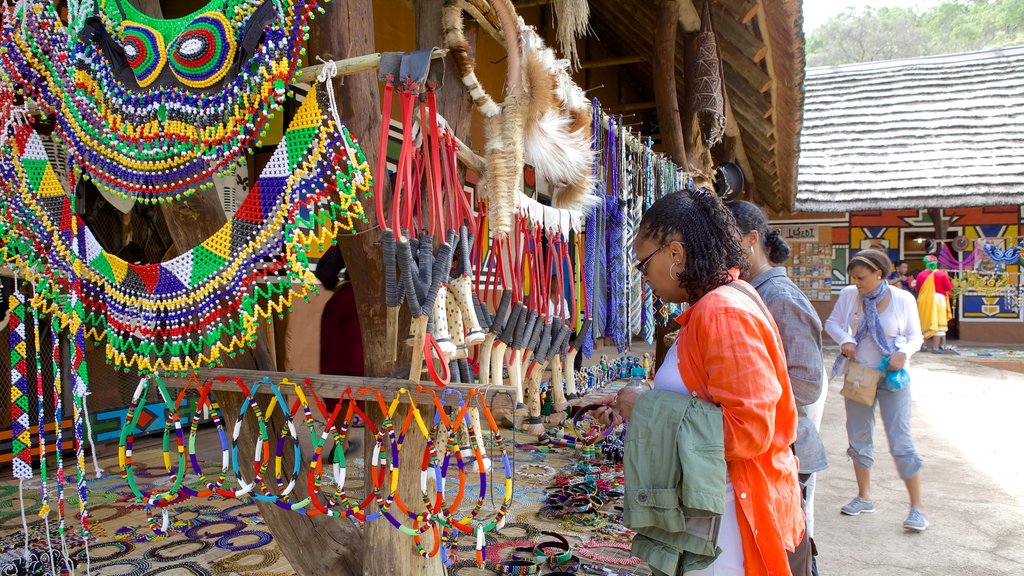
(675, 481)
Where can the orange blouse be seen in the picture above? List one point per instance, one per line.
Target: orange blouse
(730, 354)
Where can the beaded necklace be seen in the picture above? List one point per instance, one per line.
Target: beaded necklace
(186, 312)
(21, 433)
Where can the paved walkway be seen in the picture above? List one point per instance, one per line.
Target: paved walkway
(968, 425)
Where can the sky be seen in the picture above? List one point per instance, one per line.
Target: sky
(817, 12)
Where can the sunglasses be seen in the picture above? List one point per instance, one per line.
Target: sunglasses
(641, 266)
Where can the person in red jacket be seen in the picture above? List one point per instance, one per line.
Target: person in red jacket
(933, 288)
(729, 353)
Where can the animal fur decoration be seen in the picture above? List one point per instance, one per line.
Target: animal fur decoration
(544, 120)
(558, 131)
(708, 101)
(503, 124)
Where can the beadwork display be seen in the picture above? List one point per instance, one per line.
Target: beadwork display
(327, 494)
(187, 312)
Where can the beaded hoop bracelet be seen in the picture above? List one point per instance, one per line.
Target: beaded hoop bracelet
(207, 400)
(313, 482)
(283, 490)
(245, 488)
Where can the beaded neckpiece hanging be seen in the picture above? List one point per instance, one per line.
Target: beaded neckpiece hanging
(151, 109)
(187, 312)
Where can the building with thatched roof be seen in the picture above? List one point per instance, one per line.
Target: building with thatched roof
(897, 153)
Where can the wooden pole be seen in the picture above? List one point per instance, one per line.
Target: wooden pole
(939, 223)
(666, 97)
(665, 94)
(350, 66)
(345, 31)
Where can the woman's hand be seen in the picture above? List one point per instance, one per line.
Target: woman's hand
(617, 408)
(849, 350)
(897, 361)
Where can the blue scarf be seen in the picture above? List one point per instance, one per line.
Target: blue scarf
(871, 324)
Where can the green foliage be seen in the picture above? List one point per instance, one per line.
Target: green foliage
(950, 27)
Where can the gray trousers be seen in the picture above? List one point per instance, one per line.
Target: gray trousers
(860, 428)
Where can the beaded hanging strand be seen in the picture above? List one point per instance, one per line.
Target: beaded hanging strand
(58, 417)
(21, 434)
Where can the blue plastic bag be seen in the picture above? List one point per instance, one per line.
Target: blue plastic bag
(894, 379)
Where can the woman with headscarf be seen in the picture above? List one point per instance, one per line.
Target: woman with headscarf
(933, 288)
(871, 321)
(728, 353)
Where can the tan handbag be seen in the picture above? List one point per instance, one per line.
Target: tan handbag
(861, 383)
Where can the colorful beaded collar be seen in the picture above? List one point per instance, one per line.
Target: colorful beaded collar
(187, 312)
(152, 109)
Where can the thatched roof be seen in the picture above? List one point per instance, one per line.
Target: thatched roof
(763, 56)
(938, 132)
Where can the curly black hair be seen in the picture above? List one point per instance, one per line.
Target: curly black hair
(699, 220)
(750, 216)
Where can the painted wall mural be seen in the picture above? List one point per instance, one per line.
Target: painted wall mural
(989, 290)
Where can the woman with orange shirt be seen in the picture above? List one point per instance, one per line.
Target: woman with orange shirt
(728, 353)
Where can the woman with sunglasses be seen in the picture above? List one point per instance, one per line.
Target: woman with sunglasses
(728, 353)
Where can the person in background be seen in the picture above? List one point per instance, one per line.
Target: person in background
(341, 342)
(933, 288)
(800, 329)
(565, 312)
(872, 320)
(728, 353)
(900, 277)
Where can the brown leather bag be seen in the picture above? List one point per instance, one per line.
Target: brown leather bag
(861, 383)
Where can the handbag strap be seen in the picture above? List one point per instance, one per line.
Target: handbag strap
(760, 304)
(753, 298)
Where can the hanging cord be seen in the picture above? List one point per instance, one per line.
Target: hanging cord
(382, 162)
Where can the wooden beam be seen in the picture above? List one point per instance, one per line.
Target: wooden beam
(739, 36)
(607, 62)
(330, 386)
(689, 16)
(620, 108)
(741, 10)
(751, 73)
(762, 23)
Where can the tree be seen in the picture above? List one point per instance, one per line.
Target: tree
(866, 36)
(950, 27)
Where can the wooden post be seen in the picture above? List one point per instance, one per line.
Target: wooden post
(346, 30)
(665, 93)
(453, 101)
(939, 223)
(666, 96)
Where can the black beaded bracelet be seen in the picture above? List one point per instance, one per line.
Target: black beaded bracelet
(518, 567)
